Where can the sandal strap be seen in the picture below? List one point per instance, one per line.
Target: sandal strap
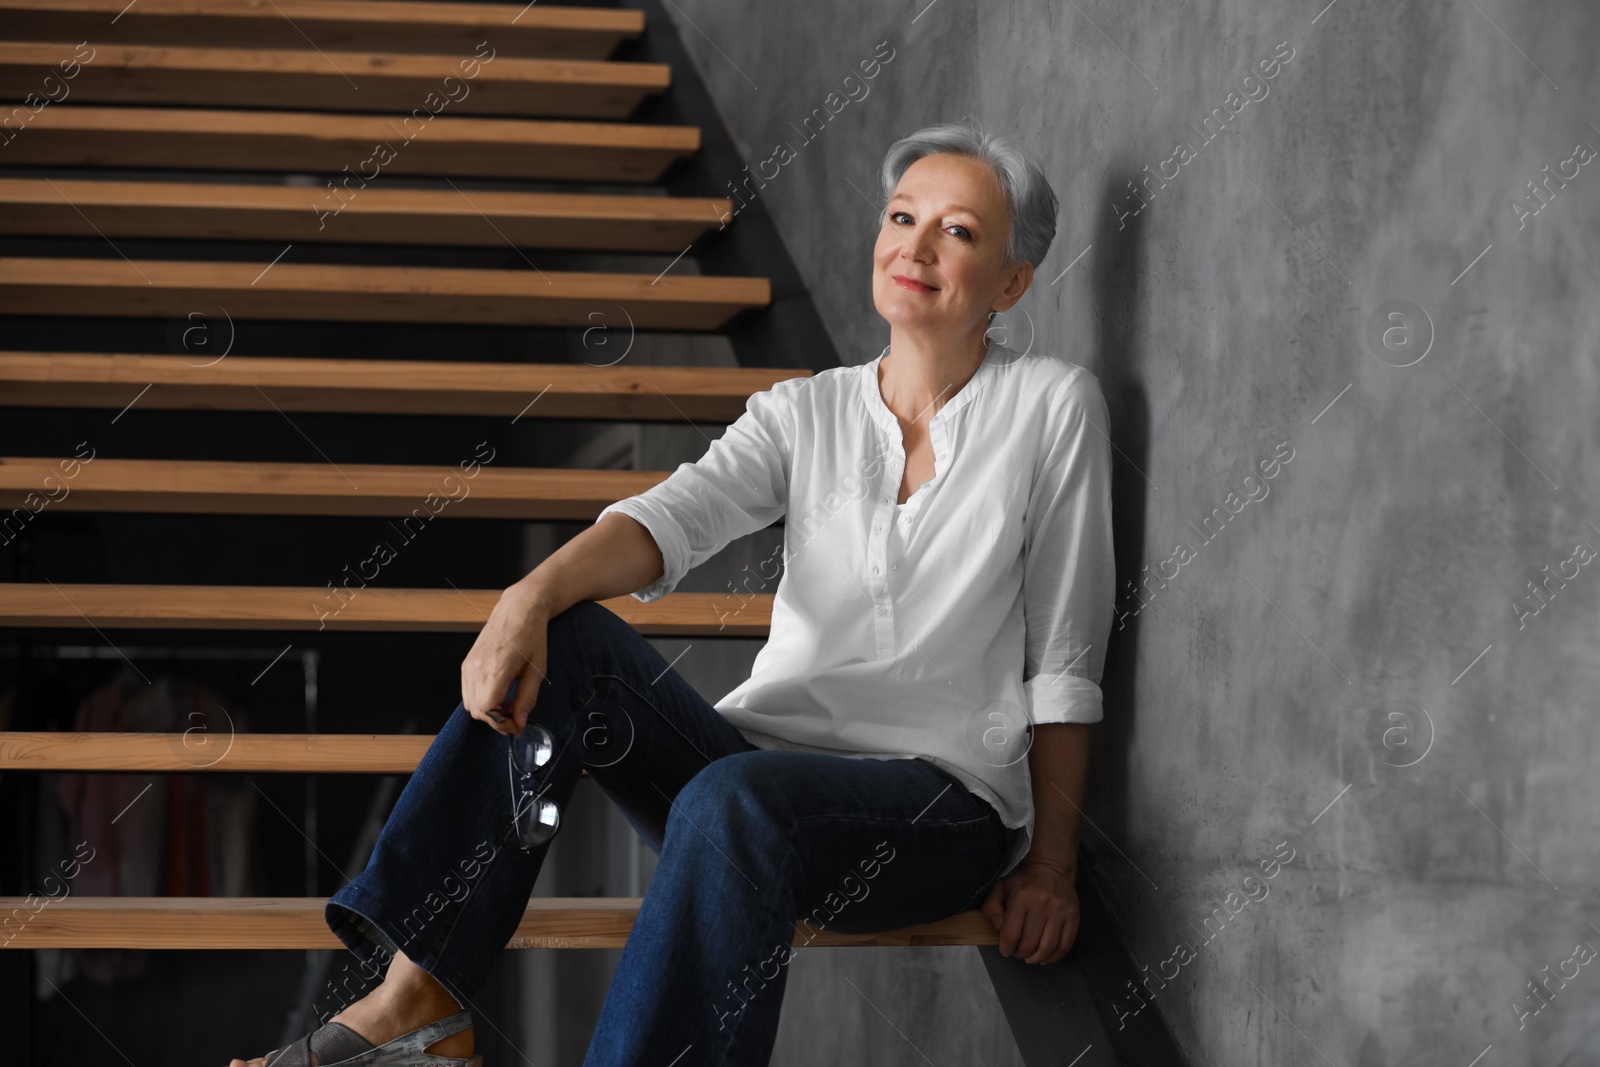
(419, 1039)
(295, 1054)
(337, 1044)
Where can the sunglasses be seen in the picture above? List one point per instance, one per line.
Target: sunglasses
(537, 818)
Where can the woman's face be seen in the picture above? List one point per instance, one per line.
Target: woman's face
(937, 261)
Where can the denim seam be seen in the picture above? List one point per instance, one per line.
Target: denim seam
(953, 824)
(370, 909)
(620, 680)
(1005, 849)
(506, 827)
(461, 909)
(733, 1036)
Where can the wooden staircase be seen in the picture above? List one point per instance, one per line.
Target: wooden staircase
(358, 93)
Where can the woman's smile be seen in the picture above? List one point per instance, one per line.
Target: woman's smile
(915, 286)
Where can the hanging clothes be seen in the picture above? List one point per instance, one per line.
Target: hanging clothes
(166, 834)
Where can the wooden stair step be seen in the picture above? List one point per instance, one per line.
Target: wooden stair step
(444, 28)
(344, 293)
(237, 607)
(297, 922)
(373, 386)
(214, 748)
(413, 495)
(207, 749)
(335, 81)
(368, 145)
(376, 215)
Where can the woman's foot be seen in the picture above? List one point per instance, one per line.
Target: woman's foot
(408, 998)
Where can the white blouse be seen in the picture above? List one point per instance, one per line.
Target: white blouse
(938, 628)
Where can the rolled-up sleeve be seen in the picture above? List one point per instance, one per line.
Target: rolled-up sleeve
(739, 486)
(1069, 578)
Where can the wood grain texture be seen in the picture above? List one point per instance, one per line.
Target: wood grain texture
(228, 607)
(214, 748)
(342, 293)
(333, 80)
(414, 493)
(375, 215)
(297, 922)
(381, 25)
(405, 387)
(370, 146)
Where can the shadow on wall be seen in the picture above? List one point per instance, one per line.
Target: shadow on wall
(1079, 999)
(1115, 273)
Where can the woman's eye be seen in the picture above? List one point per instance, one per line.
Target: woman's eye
(955, 229)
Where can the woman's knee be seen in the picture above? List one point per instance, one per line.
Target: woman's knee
(571, 638)
(741, 791)
(587, 620)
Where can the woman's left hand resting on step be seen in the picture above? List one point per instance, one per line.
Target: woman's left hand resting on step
(1035, 908)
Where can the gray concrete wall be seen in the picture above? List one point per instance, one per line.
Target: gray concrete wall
(1249, 699)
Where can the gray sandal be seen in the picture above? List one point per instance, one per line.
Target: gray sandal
(336, 1045)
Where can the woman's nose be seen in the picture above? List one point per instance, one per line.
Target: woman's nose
(914, 248)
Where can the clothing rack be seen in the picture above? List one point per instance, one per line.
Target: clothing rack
(309, 660)
(319, 962)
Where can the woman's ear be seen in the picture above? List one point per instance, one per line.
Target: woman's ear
(1015, 286)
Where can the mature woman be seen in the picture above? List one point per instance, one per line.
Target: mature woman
(911, 741)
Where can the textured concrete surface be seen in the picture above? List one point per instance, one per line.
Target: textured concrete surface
(1347, 666)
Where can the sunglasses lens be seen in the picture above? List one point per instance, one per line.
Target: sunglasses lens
(533, 749)
(538, 822)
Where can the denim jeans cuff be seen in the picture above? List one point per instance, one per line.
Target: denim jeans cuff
(358, 921)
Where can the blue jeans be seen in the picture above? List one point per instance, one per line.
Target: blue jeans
(751, 841)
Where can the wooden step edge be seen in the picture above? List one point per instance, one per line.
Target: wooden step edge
(267, 383)
(35, 193)
(348, 605)
(26, 272)
(377, 12)
(449, 28)
(613, 302)
(212, 745)
(129, 61)
(411, 495)
(66, 920)
(383, 216)
(442, 128)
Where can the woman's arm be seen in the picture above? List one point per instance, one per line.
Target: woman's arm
(642, 545)
(1059, 765)
(1035, 907)
(1068, 597)
(612, 557)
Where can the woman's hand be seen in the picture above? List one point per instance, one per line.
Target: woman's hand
(511, 645)
(1035, 909)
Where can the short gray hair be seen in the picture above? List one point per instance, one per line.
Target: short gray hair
(1029, 198)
